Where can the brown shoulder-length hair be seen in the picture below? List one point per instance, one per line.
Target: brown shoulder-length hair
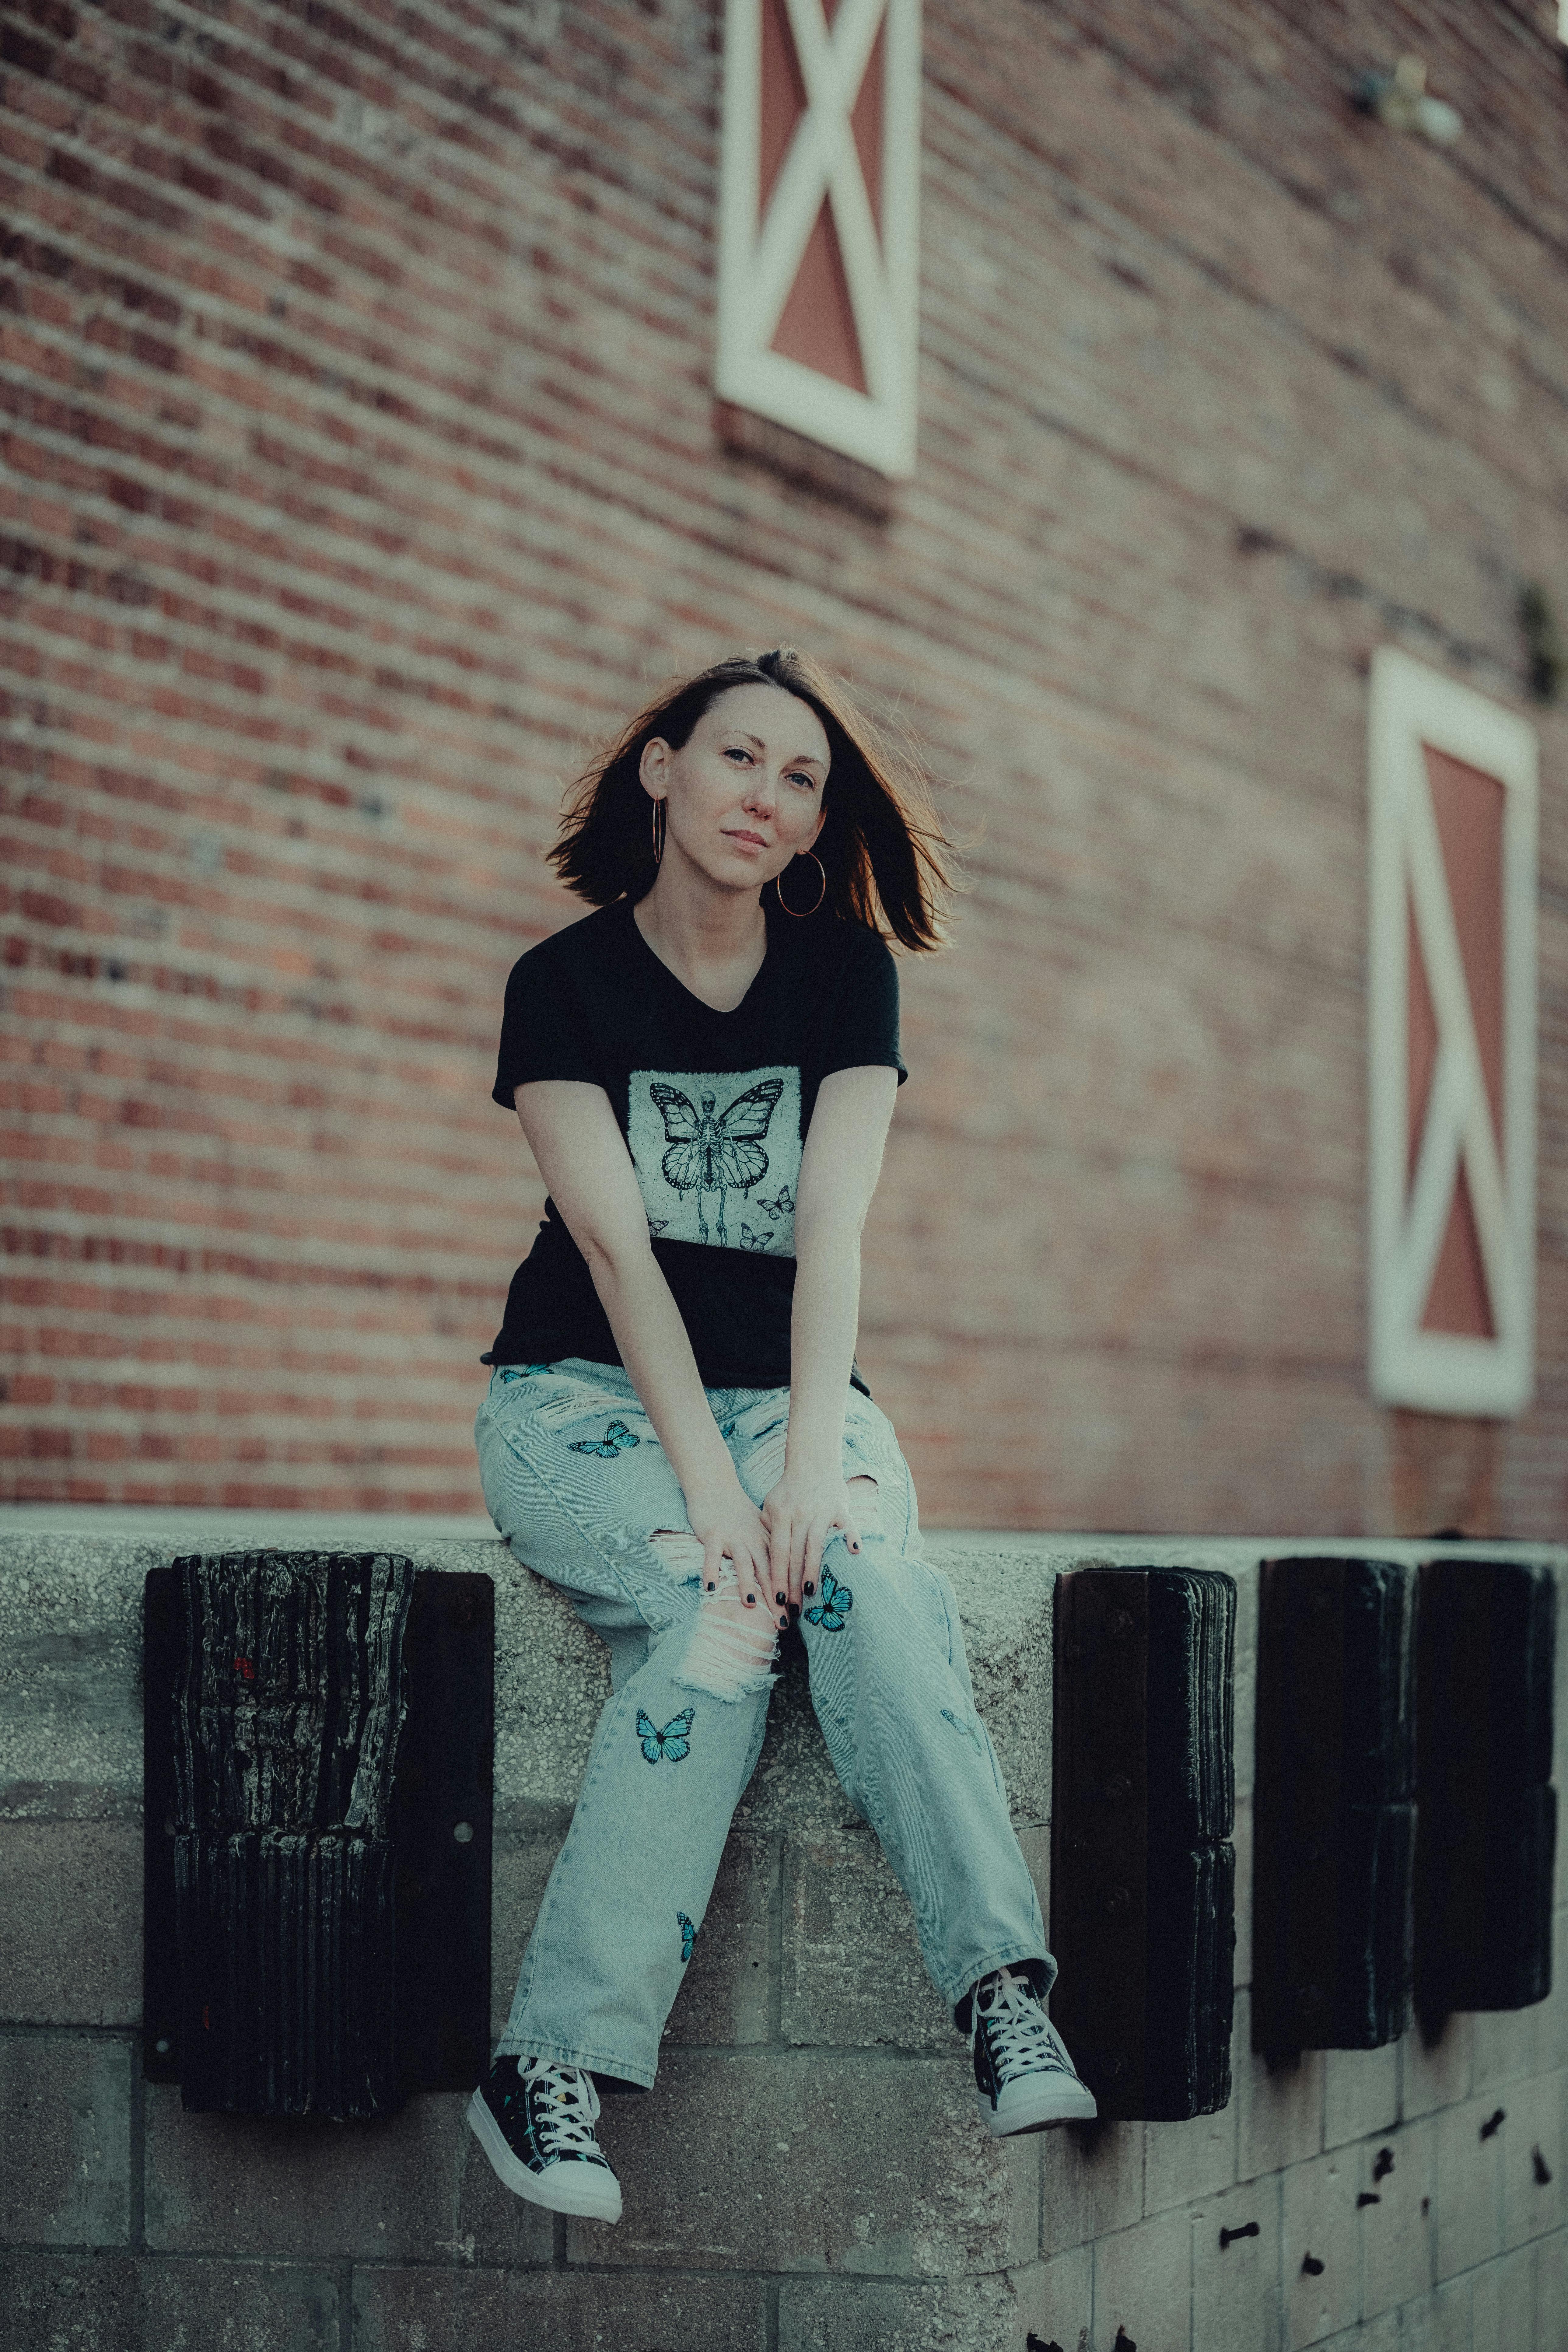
(882, 847)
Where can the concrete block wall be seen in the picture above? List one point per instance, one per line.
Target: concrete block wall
(808, 2175)
(362, 468)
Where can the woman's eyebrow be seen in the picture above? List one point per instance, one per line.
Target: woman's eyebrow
(798, 760)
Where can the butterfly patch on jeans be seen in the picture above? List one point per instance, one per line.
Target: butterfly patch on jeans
(617, 1437)
(672, 1741)
(968, 1729)
(522, 1371)
(835, 1605)
(687, 1936)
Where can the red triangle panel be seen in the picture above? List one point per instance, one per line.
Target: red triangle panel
(1458, 1300)
(818, 326)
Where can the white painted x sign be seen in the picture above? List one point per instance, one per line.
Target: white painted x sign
(767, 356)
(1423, 1354)
(1458, 1129)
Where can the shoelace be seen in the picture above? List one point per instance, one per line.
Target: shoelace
(1023, 2039)
(571, 2109)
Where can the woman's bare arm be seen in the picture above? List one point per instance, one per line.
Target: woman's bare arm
(587, 1170)
(838, 1172)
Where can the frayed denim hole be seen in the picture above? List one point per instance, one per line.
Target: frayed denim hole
(678, 1551)
(729, 1647)
(578, 1401)
(866, 1500)
(761, 1467)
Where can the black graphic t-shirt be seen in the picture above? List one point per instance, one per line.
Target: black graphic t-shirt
(714, 1108)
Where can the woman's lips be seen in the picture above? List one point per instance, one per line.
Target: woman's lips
(746, 840)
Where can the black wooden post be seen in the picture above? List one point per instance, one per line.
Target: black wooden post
(1333, 1821)
(1485, 1643)
(1143, 1870)
(318, 1791)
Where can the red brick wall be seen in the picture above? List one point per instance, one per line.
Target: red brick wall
(361, 466)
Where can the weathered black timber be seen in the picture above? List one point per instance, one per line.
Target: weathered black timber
(443, 1787)
(1486, 1644)
(1143, 1870)
(318, 1727)
(1334, 1823)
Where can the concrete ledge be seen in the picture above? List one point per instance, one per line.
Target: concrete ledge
(807, 2172)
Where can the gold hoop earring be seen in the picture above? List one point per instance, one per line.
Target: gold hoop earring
(660, 826)
(778, 885)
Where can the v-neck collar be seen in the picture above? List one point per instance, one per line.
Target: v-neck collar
(714, 1012)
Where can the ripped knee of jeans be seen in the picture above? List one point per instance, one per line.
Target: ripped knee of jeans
(729, 1647)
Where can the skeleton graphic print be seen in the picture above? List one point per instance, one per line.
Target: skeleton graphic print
(717, 1155)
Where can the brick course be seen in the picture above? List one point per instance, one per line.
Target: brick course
(362, 468)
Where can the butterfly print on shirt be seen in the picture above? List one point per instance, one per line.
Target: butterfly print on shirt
(711, 1151)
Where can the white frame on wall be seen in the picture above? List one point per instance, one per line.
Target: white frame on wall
(759, 259)
(1440, 1372)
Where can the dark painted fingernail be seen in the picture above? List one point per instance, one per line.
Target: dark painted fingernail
(778, 1596)
(711, 1588)
(784, 1616)
(854, 1547)
(750, 1600)
(808, 1586)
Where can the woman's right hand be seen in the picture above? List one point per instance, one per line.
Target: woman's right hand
(730, 1526)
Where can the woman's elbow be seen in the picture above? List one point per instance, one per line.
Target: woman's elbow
(612, 1257)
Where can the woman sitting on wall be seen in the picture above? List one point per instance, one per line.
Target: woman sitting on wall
(676, 1432)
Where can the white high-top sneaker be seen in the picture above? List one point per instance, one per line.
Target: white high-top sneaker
(535, 2122)
(1024, 2078)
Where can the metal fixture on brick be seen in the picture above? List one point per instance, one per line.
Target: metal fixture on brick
(1399, 98)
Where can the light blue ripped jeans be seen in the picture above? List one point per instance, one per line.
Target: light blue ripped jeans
(579, 1484)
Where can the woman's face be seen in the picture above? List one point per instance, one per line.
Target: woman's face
(744, 791)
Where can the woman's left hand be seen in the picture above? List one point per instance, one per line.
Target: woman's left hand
(802, 1514)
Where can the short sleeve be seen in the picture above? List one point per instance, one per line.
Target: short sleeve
(543, 1031)
(866, 1024)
